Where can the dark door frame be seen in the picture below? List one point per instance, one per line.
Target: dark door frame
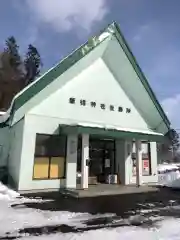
(104, 149)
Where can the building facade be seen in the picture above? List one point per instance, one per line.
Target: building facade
(93, 114)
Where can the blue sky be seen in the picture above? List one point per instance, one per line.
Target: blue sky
(56, 27)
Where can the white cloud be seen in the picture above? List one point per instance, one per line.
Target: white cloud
(141, 32)
(66, 15)
(171, 107)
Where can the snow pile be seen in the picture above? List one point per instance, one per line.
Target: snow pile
(13, 196)
(6, 193)
(175, 183)
(168, 179)
(163, 168)
(169, 175)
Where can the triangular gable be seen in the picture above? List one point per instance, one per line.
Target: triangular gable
(42, 82)
(105, 101)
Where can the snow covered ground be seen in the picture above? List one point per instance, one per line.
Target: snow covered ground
(15, 221)
(169, 175)
(166, 230)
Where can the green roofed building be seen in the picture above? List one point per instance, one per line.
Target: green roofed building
(94, 113)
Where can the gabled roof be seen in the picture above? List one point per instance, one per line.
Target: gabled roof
(112, 30)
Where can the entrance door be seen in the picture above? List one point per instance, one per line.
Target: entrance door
(102, 158)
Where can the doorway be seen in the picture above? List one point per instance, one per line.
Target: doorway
(102, 158)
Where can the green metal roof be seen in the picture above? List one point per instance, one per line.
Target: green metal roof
(109, 132)
(74, 57)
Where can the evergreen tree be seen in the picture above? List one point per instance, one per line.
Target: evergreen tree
(15, 73)
(11, 74)
(32, 64)
(173, 137)
(170, 147)
(13, 51)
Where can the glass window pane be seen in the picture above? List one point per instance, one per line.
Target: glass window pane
(146, 159)
(57, 146)
(41, 168)
(96, 144)
(110, 145)
(145, 149)
(50, 145)
(57, 167)
(41, 145)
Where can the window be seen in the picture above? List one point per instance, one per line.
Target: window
(146, 159)
(50, 155)
(41, 168)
